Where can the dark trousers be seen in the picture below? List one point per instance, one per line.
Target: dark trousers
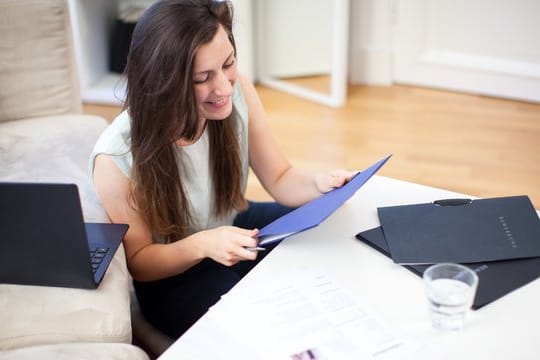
(173, 304)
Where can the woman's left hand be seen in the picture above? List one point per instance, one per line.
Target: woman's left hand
(326, 182)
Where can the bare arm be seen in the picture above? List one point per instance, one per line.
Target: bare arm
(150, 261)
(285, 183)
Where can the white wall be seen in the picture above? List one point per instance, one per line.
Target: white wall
(482, 46)
(370, 42)
(297, 37)
(487, 47)
(243, 35)
(495, 28)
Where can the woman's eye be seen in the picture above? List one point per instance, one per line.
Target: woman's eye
(229, 64)
(200, 79)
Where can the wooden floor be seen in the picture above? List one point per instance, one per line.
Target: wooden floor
(471, 144)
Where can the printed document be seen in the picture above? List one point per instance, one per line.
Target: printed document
(303, 315)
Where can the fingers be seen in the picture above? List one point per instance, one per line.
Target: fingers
(332, 180)
(233, 258)
(247, 254)
(248, 238)
(339, 181)
(249, 243)
(324, 182)
(343, 174)
(232, 245)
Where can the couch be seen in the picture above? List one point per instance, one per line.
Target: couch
(44, 137)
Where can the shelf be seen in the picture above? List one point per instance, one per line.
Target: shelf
(93, 21)
(109, 89)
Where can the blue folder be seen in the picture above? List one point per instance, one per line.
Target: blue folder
(314, 212)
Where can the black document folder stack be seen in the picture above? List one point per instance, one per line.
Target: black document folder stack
(499, 238)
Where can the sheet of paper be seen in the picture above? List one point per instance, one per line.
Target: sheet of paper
(314, 212)
(306, 315)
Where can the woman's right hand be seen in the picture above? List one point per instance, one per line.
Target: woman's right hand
(228, 245)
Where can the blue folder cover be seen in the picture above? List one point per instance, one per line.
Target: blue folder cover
(314, 212)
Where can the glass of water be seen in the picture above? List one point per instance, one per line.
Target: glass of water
(450, 289)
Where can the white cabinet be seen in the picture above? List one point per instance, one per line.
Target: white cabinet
(93, 24)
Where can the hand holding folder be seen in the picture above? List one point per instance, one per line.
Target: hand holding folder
(314, 212)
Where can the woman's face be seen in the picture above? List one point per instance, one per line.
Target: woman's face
(214, 75)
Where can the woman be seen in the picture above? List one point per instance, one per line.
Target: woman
(174, 164)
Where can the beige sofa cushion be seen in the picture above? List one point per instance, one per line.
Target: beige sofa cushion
(53, 149)
(35, 315)
(88, 351)
(37, 76)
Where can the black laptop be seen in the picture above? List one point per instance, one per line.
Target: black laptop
(45, 241)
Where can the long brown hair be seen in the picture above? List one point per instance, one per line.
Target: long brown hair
(161, 103)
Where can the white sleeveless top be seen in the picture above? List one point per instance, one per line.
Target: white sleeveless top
(115, 142)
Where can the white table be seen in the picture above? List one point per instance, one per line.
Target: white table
(508, 328)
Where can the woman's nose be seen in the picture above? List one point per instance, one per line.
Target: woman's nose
(223, 85)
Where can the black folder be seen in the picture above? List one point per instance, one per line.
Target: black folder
(496, 278)
(462, 230)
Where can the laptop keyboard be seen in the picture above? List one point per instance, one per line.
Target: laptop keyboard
(96, 257)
